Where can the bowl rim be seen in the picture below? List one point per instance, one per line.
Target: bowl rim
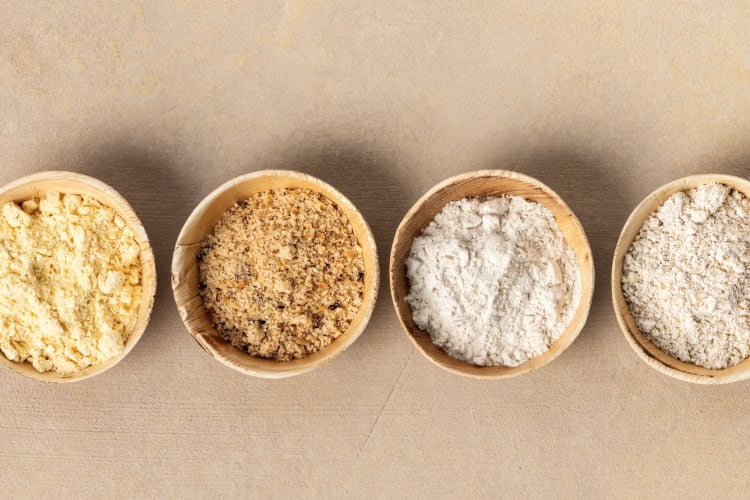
(179, 263)
(148, 269)
(587, 289)
(645, 349)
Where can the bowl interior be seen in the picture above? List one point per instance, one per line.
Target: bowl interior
(649, 352)
(186, 277)
(488, 183)
(68, 182)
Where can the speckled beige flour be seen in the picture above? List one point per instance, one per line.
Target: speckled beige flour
(686, 277)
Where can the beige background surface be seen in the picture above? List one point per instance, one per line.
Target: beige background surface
(602, 100)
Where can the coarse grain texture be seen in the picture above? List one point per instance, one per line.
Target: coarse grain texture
(282, 274)
(70, 282)
(493, 280)
(686, 276)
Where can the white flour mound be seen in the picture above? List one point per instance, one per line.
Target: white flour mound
(493, 281)
(686, 277)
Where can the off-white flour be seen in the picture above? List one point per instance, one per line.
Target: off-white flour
(686, 277)
(493, 280)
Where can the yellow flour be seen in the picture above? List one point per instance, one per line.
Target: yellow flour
(70, 282)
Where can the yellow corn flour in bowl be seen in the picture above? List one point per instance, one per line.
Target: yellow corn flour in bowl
(70, 282)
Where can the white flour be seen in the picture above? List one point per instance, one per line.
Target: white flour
(686, 277)
(493, 281)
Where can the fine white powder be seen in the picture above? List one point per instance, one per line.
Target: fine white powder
(493, 280)
(686, 277)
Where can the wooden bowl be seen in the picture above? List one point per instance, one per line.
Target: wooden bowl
(39, 184)
(186, 278)
(487, 183)
(646, 350)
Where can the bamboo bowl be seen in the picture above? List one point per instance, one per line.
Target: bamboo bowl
(186, 278)
(39, 184)
(644, 348)
(487, 183)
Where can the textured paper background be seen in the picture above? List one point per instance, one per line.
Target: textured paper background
(604, 101)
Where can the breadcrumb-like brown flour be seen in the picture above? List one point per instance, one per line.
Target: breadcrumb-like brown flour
(282, 274)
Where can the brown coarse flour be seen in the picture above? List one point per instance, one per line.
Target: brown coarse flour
(282, 273)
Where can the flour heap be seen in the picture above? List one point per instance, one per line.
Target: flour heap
(686, 277)
(70, 282)
(493, 280)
